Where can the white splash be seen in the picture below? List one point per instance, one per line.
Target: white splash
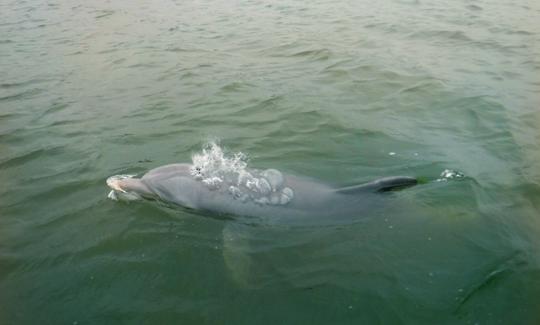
(448, 174)
(219, 171)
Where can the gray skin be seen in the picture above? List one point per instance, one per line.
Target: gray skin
(175, 184)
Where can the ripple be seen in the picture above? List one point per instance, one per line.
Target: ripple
(474, 8)
(454, 35)
(496, 273)
(236, 86)
(104, 13)
(318, 54)
(22, 95)
(25, 157)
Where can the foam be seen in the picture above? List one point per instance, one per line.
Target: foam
(230, 173)
(449, 174)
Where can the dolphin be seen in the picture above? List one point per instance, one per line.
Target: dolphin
(267, 194)
(262, 201)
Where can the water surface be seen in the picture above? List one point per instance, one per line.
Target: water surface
(344, 92)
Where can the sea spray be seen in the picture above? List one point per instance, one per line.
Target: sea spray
(229, 172)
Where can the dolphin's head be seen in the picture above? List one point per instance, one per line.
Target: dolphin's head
(127, 188)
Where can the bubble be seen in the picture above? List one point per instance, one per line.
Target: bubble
(229, 173)
(287, 191)
(243, 177)
(286, 196)
(262, 201)
(274, 177)
(235, 192)
(198, 177)
(213, 183)
(275, 199)
(264, 187)
(252, 184)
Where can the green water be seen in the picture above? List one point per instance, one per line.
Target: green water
(343, 91)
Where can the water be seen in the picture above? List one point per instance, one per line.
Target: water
(219, 172)
(343, 92)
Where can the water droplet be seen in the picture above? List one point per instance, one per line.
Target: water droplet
(450, 174)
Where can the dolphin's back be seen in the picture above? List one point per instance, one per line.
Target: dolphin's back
(380, 185)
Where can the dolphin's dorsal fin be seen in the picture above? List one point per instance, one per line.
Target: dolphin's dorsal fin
(380, 185)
